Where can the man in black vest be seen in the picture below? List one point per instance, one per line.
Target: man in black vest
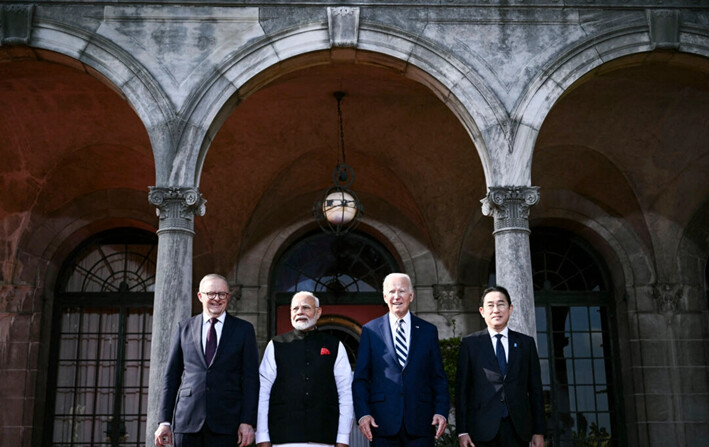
(305, 396)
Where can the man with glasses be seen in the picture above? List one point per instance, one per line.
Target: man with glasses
(306, 380)
(498, 388)
(210, 390)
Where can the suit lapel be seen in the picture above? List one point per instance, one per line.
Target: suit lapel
(227, 331)
(415, 337)
(196, 331)
(385, 330)
(486, 348)
(514, 354)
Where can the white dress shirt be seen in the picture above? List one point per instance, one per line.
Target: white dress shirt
(505, 341)
(394, 324)
(218, 326)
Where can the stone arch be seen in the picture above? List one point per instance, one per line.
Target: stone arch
(455, 84)
(117, 68)
(255, 263)
(569, 67)
(56, 235)
(628, 258)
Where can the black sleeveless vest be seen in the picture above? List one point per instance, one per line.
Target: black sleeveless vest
(304, 405)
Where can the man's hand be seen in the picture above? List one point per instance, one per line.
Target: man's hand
(163, 436)
(263, 444)
(365, 426)
(339, 444)
(246, 435)
(538, 441)
(440, 423)
(465, 441)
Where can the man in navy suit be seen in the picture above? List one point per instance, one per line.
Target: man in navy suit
(210, 391)
(400, 389)
(498, 389)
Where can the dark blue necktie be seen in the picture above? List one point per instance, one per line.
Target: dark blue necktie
(502, 361)
(500, 352)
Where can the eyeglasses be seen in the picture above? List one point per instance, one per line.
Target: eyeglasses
(212, 295)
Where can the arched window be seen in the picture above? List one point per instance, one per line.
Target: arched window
(342, 272)
(101, 342)
(575, 336)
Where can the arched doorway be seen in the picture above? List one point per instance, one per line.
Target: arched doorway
(576, 339)
(101, 342)
(345, 273)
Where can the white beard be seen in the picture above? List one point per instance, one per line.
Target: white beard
(303, 325)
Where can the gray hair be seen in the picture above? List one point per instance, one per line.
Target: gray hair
(310, 294)
(212, 276)
(391, 276)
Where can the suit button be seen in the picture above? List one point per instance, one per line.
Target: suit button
(307, 379)
(207, 388)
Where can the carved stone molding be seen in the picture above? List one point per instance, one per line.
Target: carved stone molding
(18, 299)
(449, 300)
(667, 297)
(449, 297)
(664, 28)
(509, 205)
(343, 26)
(176, 207)
(16, 24)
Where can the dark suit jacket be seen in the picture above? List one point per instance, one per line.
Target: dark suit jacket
(481, 391)
(394, 396)
(224, 394)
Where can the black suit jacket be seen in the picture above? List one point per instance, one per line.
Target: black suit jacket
(224, 394)
(481, 391)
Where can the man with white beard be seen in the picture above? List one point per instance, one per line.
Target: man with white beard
(305, 396)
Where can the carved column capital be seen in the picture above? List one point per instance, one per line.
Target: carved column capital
(667, 297)
(176, 207)
(509, 205)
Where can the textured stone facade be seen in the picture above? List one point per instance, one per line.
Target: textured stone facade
(586, 115)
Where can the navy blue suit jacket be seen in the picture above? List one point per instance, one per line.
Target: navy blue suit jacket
(481, 391)
(224, 394)
(396, 396)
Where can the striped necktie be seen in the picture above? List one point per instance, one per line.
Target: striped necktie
(400, 342)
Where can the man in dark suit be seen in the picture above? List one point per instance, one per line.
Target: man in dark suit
(400, 389)
(498, 392)
(210, 391)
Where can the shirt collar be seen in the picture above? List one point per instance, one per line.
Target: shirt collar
(393, 319)
(206, 318)
(505, 332)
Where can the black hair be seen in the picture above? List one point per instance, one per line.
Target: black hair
(500, 289)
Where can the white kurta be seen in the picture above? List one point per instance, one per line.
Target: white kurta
(343, 379)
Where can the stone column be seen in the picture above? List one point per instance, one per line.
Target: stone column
(173, 281)
(509, 205)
